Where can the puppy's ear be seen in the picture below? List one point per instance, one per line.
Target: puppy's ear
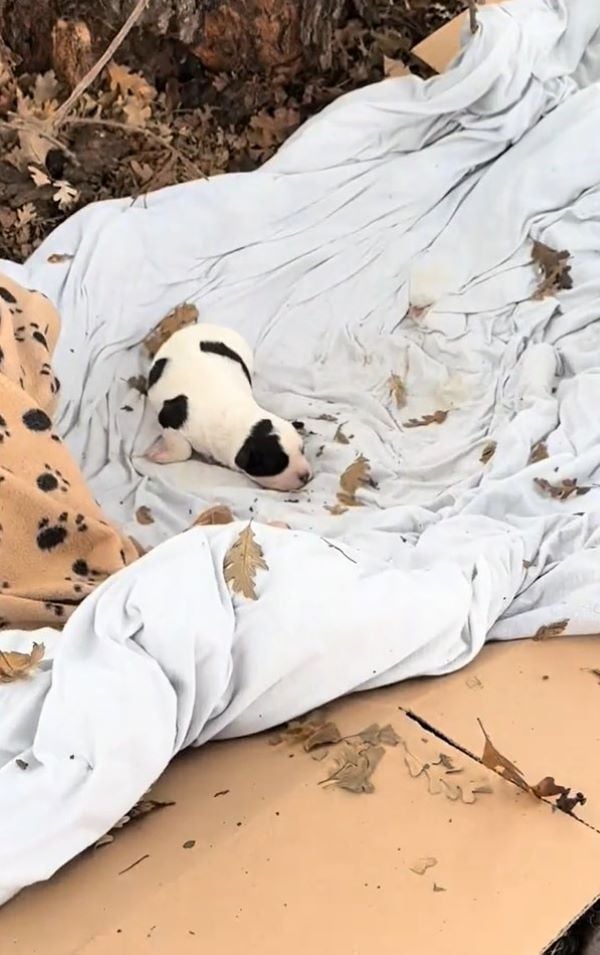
(261, 454)
(298, 425)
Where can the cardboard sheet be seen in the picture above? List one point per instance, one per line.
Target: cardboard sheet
(281, 864)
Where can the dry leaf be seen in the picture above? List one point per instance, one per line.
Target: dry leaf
(297, 731)
(217, 514)
(397, 390)
(488, 452)
(421, 865)
(438, 888)
(126, 83)
(474, 683)
(326, 735)
(500, 764)
(141, 808)
(562, 491)
(138, 383)
(242, 560)
(356, 475)
(438, 417)
(394, 68)
(553, 268)
(26, 214)
(57, 257)
(179, 317)
(15, 665)
(327, 417)
(539, 452)
(551, 630)
(339, 435)
(354, 769)
(136, 112)
(46, 88)
(143, 515)
(335, 509)
(66, 194)
(39, 177)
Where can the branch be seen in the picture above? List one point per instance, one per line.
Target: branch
(63, 111)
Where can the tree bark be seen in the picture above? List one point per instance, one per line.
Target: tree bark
(226, 35)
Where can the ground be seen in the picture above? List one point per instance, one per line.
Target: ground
(131, 133)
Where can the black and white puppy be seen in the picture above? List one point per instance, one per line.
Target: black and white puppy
(200, 384)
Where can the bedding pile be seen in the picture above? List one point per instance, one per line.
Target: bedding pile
(383, 267)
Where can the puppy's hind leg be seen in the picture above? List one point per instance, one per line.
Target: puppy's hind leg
(170, 448)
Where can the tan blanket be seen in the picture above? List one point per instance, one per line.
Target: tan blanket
(55, 546)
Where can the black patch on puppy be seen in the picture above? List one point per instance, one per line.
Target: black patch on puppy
(174, 412)
(220, 348)
(7, 296)
(156, 371)
(261, 454)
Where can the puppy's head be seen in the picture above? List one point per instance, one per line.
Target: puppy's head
(273, 456)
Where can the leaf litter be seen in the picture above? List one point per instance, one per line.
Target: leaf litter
(355, 757)
(488, 452)
(397, 390)
(179, 317)
(438, 417)
(545, 789)
(550, 631)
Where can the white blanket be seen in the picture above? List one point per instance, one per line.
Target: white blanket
(447, 182)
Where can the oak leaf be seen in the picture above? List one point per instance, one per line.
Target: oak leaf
(563, 490)
(438, 417)
(16, 666)
(241, 562)
(555, 273)
(216, 514)
(550, 631)
(397, 390)
(356, 475)
(179, 317)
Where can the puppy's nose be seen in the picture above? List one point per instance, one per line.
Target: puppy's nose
(304, 477)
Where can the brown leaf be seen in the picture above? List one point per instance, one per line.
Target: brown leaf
(339, 435)
(327, 417)
(552, 266)
(562, 491)
(438, 417)
(143, 515)
(179, 317)
(242, 560)
(493, 759)
(548, 787)
(438, 888)
(551, 630)
(141, 808)
(138, 383)
(126, 83)
(397, 390)
(539, 452)
(297, 731)
(421, 865)
(388, 735)
(16, 666)
(335, 509)
(217, 514)
(58, 257)
(488, 452)
(325, 735)
(355, 768)
(356, 475)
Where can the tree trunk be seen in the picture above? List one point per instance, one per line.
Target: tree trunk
(226, 35)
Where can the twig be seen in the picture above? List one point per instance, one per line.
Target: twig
(473, 16)
(63, 110)
(339, 550)
(15, 123)
(133, 864)
(127, 128)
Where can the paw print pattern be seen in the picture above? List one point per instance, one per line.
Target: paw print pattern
(51, 479)
(51, 535)
(80, 523)
(32, 332)
(57, 610)
(4, 430)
